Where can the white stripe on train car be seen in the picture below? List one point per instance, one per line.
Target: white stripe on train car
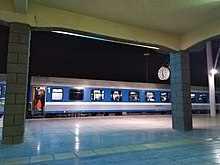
(52, 106)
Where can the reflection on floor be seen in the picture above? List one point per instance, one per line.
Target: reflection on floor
(115, 140)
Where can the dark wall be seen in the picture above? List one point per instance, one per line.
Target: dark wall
(198, 69)
(68, 56)
(4, 35)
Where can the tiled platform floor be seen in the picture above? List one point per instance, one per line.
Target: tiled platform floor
(129, 140)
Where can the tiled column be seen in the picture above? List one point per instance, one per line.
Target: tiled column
(17, 80)
(180, 91)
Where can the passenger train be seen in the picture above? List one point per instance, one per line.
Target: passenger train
(68, 96)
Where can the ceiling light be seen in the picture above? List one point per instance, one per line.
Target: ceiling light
(214, 71)
(108, 40)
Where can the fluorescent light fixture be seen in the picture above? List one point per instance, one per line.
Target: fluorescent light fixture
(107, 40)
(213, 71)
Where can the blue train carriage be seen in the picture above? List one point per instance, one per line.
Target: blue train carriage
(200, 99)
(2, 93)
(50, 95)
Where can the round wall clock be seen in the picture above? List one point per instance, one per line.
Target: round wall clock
(163, 73)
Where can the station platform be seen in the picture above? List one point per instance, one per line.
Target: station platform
(117, 140)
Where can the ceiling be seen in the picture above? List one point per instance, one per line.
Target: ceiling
(173, 24)
(172, 16)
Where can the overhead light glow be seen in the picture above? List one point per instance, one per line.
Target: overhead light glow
(108, 40)
(214, 71)
(79, 88)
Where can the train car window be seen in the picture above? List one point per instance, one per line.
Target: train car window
(133, 96)
(76, 94)
(116, 95)
(97, 95)
(164, 97)
(57, 94)
(216, 99)
(150, 96)
(203, 98)
(193, 97)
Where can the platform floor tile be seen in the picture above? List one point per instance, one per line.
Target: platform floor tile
(15, 161)
(115, 140)
(61, 156)
(41, 158)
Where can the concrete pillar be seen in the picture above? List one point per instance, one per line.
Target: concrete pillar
(17, 80)
(211, 79)
(180, 91)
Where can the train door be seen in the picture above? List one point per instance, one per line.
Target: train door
(38, 98)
